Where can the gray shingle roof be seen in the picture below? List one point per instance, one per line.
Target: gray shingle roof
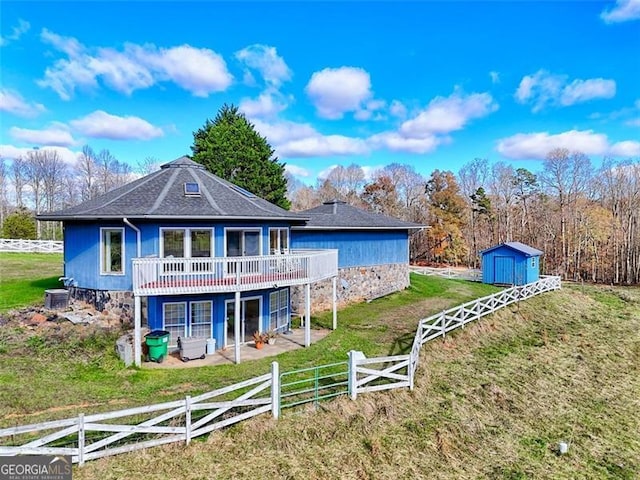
(520, 247)
(336, 214)
(162, 195)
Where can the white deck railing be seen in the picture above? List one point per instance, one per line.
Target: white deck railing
(167, 276)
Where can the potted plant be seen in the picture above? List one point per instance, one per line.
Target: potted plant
(258, 339)
(271, 337)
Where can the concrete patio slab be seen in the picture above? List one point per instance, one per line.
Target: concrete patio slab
(284, 343)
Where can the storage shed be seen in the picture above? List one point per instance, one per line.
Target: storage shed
(511, 263)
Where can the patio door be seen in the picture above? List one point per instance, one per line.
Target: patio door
(250, 314)
(243, 243)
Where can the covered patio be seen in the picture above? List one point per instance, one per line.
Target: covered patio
(284, 343)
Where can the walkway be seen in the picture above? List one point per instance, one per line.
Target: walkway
(284, 343)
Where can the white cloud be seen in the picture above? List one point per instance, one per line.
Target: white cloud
(335, 91)
(297, 170)
(495, 76)
(265, 59)
(291, 139)
(544, 89)
(444, 115)
(12, 102)
(56, 135)
(198, 70)
(580, 91)
(371, 171)
(100, 124)
(627, 148)
(11, 152)
(623, 11)
(397, 109)
(396, 142)
(324, 174)
(371, 110)
(16, 32)
(523, 146)
(267, 104)
(634, 122)
(323, 145)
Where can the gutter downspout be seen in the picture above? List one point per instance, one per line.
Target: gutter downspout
(137, 307)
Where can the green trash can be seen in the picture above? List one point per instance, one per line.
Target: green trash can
(157, 341)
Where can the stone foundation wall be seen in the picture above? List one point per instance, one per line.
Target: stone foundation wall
(113, 302)
(355, 284)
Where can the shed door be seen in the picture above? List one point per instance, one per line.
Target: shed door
(504, 270)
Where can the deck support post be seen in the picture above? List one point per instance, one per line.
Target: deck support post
(137, 334)
(236, 328)
(335, 301)
(307, 314)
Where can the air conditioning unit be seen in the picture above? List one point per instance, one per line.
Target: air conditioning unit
(56, 298)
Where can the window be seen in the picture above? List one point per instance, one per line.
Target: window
(174, 316)
(200, 319)
(278, 240)
(112, 251)
(191, 189)
(186, 242)
(279, 309)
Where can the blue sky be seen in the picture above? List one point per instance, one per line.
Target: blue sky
(431, 84)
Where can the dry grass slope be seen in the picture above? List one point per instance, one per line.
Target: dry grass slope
(491, 402)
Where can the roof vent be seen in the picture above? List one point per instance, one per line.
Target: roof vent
(191, 189)
(241, 190)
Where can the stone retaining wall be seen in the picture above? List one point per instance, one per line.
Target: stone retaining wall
(355, 284)
(113, 302)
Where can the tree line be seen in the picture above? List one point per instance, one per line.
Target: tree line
(585, 218)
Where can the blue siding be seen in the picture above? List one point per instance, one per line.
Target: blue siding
(504, 265)
(154, 310)
(82, 257)
(82, 248)
(357, 248)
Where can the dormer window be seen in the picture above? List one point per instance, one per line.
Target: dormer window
(191, 189)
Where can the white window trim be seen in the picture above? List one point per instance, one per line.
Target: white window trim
(241, 229)
(187, 240)
(277, 294)
(242, 299)
(186, 316)
(190, 314)
(279, 229)
(102, 252)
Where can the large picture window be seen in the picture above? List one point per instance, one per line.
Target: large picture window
(186, 242)
(112, 251)
(279, 310)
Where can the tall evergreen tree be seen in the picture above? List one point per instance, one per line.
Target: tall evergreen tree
(230, 147)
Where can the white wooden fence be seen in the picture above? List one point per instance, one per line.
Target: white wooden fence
(437, 326)
(464, 274)
(30, 246)
(92, 436)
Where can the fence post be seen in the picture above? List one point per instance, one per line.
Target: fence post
(275, 390)
(354, 357)
(81, 439)
(442, 322)
(187, 419)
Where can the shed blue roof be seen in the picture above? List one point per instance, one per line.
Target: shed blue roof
(518, 247)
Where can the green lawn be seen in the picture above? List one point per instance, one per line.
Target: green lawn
(25, 276)
(82, 363)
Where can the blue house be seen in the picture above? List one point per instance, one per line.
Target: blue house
(188, 252)
(373, 251)
(511, 263)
